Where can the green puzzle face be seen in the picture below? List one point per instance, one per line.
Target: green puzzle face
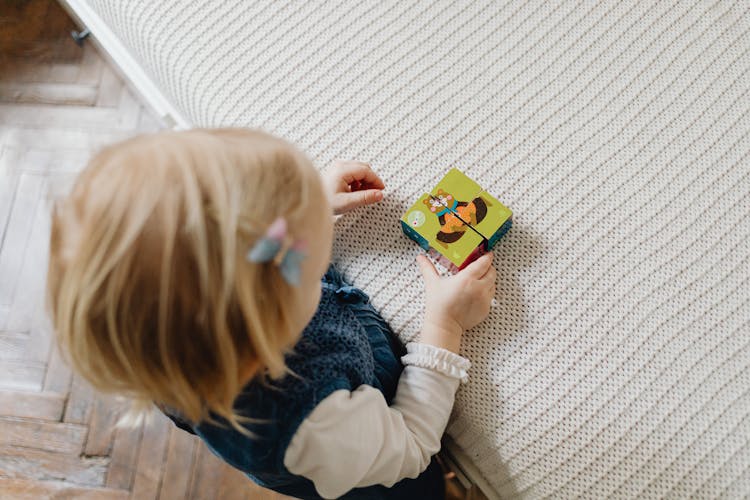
(440, 218)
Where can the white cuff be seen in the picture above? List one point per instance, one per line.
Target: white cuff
(438, 359)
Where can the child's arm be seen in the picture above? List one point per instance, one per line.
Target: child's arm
(354, 439)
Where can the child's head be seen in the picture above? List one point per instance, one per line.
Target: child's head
(149, 287)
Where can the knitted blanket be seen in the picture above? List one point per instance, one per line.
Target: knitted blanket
(616, 361)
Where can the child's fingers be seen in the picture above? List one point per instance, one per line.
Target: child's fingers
(480, 267)
(426, 268)
(370, 196)
(353, 172)
(350, 201)
(490, 275)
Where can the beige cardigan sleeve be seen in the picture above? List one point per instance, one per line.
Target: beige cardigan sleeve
(354, 439)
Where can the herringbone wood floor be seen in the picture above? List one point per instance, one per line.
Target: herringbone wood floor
(58, 104)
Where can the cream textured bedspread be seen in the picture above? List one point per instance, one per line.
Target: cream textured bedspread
(616, 361)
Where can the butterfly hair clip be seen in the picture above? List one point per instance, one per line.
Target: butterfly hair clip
(278, 247)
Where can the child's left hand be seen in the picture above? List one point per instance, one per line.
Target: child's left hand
(352, 184)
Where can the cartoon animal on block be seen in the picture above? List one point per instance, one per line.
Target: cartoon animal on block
(461, 231)
(452, 213)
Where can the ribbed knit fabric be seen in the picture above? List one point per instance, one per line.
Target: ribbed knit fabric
(616, 361)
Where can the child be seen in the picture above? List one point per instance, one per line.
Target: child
(192, 270)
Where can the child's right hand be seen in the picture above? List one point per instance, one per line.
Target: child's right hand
(453, 304)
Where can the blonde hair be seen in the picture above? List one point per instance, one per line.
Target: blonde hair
(148, 287)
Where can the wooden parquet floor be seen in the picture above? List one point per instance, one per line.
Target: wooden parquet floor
(58, 104)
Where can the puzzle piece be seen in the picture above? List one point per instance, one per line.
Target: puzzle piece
(458, 219)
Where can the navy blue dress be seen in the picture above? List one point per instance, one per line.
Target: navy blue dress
(345, 345)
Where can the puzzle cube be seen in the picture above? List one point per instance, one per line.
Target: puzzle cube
(458, 219)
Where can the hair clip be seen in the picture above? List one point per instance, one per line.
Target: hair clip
(277, 246)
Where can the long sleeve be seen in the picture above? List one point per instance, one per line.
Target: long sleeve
(354, 439)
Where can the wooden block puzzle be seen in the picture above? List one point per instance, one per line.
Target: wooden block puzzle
(458, 219)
